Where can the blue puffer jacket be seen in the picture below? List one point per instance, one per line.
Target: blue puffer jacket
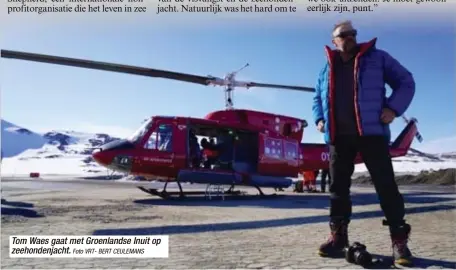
(373, 68)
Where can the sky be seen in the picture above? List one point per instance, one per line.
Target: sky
(280, 48)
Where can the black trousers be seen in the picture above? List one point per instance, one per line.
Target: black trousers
(325, 174)
(375, 153)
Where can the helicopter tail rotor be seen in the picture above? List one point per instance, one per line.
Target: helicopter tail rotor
(418, 135)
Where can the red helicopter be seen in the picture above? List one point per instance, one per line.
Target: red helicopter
(239, 148)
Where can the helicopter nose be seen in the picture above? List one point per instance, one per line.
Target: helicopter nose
(106, 153)
(103, 158)
(115, 155)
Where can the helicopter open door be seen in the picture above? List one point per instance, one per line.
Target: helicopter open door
(220, 170)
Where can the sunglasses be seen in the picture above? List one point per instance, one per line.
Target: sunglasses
(351, 33)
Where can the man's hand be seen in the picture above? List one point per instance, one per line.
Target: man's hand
(321, 126)
(388, 116)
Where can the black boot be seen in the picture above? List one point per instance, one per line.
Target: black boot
(337, 241)
(399, 238)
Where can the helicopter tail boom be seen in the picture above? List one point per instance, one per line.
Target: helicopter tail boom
(316, 155)
(404, 140)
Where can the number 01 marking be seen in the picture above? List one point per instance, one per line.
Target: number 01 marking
(325, 156)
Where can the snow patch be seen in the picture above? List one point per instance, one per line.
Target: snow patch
(414, 165)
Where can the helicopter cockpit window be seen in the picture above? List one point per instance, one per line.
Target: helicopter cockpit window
(161, 138)
(141, 131)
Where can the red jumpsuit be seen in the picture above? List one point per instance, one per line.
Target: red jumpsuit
(310, 180)
(210, 156)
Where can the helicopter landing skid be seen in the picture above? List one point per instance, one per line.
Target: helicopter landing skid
(169, 194)
(181, 194)
(262, 195)
(231, 191)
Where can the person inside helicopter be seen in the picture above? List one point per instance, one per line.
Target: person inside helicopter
(209, 152)
(225, 147)
(165, 139)
(212, 155)
(195, 151)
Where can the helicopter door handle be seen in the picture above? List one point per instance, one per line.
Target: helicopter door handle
(172, 160)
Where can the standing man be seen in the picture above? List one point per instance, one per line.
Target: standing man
(324, 174)
(351, 109)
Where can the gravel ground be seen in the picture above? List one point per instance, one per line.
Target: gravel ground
(282, 232)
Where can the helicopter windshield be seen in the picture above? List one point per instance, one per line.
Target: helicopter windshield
(141, 131)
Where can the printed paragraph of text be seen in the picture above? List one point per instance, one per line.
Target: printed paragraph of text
(203, 6)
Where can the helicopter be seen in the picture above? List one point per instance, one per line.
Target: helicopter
(240, 147)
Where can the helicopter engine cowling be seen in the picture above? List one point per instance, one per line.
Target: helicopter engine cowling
(285, 125)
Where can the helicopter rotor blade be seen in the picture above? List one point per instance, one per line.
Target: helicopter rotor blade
(82, 63)
(142, 71)
(279, 86)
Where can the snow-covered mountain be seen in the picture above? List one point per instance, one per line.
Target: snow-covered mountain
(69, 153)
(416, 161)
(54, 152)
(12, 134)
